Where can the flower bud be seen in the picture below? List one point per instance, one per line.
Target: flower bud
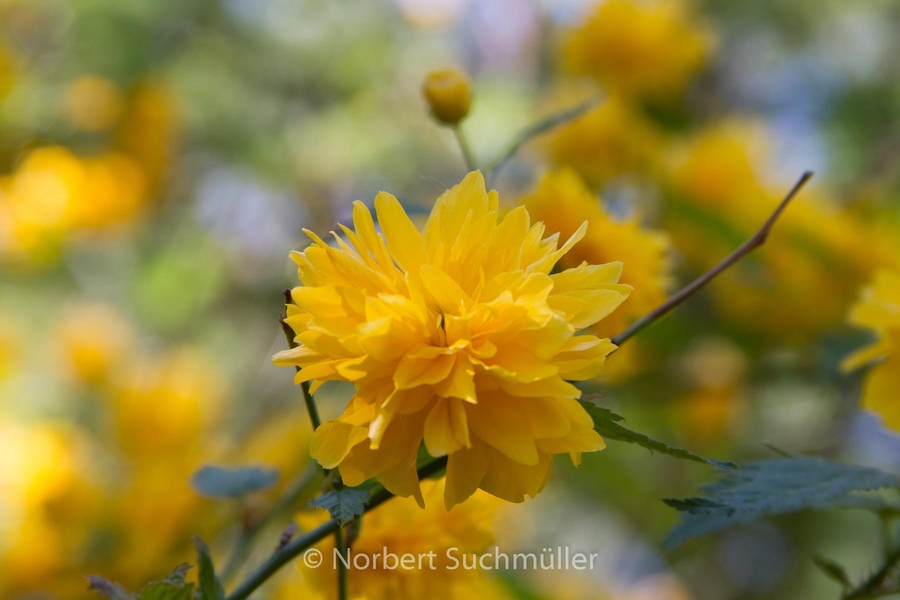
(449, 94)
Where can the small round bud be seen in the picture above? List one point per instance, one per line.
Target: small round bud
(449, 94)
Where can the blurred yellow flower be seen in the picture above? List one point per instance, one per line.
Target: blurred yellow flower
(94, 339)
(563, 202)
(93, 103)
(878, 310)
(607, 141)
(400, 527)
(637, 47)
(458, 336)
(149, 129)
(161, 407)
(719, 197)
(46, 501)
(53, 192)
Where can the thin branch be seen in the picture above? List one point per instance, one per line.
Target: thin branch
(464, 147)
(754, 242)
(537, 129)
(284, 554)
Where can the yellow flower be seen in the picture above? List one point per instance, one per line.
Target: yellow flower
(449, 95)
(162, 407)
(47, 500)
(94, 338)
(878, 309)
(458, 336)
(150, 129)
(400, 527)
(53, 192)
(719, 197)
(563, 202)
(607, 141)
(638, 48)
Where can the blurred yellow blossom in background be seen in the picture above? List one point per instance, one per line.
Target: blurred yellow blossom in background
(443, 345)
(563, 202)
(163, 405)
(47, 499)
(878, 310)
(54, 194)
(638, 47)
(94, 339)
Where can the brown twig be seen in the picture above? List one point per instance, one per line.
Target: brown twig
(757, 240)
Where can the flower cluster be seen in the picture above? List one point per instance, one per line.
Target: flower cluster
(458, 335)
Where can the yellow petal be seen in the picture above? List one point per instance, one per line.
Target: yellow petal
(403, 239)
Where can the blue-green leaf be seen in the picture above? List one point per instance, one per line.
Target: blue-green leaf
(344, 504)
(778, 486)
(221, 482)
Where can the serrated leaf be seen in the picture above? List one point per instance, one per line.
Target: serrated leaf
(108, 589)
(778, 486)
(344, 504)
(172, 587)
(209, 585)
(219, 482)
(166, 591)
(609, 425)
(833, 570)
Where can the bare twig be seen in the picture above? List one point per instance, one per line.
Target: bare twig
(754, 242)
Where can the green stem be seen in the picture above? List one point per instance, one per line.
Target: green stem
(464, 147)
(340, 541)
(285, 554)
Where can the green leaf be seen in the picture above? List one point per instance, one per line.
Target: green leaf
(833, 571)
(220, 482)
(172, 587)
(344, 504)
(166, 591)
(778, 486)
(107, 589)
(608, 424)
(210, 586)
